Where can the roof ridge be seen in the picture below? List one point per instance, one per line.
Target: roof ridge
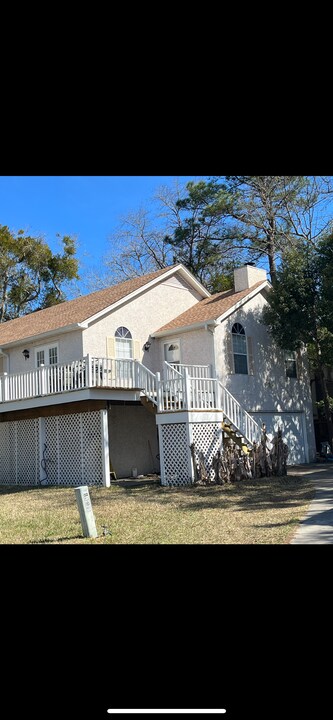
(74, 311)
(202, 311)
(147, 276)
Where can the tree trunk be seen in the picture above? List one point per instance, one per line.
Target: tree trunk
(3, 298)
(271, 261)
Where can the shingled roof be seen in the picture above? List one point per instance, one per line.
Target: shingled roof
(208, 309)
(72, 311)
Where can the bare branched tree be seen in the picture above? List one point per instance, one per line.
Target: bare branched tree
(139, 244)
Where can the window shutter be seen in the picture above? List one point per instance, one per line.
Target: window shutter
(230, 354)
(137, 352)
(110, 347)
(250, 358)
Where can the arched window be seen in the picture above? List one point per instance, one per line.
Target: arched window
(124, 343)
(239, 348)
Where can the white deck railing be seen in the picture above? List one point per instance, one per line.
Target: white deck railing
(189, 393)
(87, 372)
(194, 371)
(45, 380)
(176, 391)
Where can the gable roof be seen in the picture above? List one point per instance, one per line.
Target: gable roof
(211, 308)
(71, 314)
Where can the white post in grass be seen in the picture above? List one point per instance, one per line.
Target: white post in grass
(86, 512)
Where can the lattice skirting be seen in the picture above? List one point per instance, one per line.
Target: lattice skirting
(176, 438)
(176, 468)
(73, 449)
(19, 452)
(207, 438)
(72, 454)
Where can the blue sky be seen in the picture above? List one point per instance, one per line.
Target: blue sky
(88, 207)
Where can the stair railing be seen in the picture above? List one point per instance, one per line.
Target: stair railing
(238, 417)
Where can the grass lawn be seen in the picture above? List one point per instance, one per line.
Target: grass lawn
(257, 511)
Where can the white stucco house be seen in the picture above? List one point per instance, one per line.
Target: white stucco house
(130, 376)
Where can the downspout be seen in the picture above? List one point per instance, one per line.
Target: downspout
(7, 359)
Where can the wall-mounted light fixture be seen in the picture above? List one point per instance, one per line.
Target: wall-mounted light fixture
(147, 345)
(26, 354)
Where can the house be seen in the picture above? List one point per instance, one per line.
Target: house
(134, 375)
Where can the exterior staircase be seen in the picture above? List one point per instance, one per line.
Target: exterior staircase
(239, 424)
(231, 434)
(179, 390)
(148, 404)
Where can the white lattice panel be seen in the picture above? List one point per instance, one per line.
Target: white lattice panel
(50, 452)
(207, 439)
(92, 448)
(28, 452)
(8, 453)
(19, 452)
(70, 449)
(73, 452)
(175, 454)
(74, 449)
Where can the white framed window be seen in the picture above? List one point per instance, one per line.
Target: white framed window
(239, 348)
(121, 345)
(124, 343)
(290, 363)
(47, 355)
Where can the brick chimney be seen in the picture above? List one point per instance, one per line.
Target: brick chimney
(248, 275)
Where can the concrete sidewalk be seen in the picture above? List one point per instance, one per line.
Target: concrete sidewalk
(317, 526)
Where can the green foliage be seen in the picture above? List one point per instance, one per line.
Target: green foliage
(300, 309)
(196, 241)
(290, 314)
(262, 212)
(325, 266)
(31, 276)
(248, 218)
(217, 225)
(321, 405)
(325, 341)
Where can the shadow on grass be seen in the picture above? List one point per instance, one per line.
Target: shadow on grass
(265, 493)
(13, 489)
(278, 524)
(44, 494)
(258, 495)
(55, 540)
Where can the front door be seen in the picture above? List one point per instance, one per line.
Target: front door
(44, 356)
(124, 354)
(172, 352)
(47, 355)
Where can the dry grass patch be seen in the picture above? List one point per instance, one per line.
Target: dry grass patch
(252, 512)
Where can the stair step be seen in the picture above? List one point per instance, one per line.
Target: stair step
(148, 404)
